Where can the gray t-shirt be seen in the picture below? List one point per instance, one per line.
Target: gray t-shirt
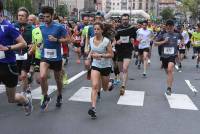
(101, 49)
(170, 49)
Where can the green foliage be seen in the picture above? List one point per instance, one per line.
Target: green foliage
(13, 5)
(192, 6)
(167, 13)
(62, 10)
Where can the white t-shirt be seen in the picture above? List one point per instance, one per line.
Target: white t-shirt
(145, 36)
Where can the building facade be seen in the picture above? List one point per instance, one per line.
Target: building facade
(166, 3)
(149, 6)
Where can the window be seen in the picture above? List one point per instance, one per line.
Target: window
(113, 4)
(140, 5)
(133, 5)
(118, 4)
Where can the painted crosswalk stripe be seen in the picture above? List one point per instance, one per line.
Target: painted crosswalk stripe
(132, 98)
(3, 88)
(83, 95)
(191, 86)
(36, 93)
(180, 101)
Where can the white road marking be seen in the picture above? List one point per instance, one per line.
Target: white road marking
(36, 93)
(3, 88)
(83, 95)
(180, 101)
(191, 86)
(76, 76)
(132, 98)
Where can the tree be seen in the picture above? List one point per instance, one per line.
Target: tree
(62, 10)
(167, 13)
(192, 6)
(13, 5)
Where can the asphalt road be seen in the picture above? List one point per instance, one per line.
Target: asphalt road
(144, 109)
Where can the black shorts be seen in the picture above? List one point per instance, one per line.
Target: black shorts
(122, 56)
(54, 65)
(24, 65)
(165, 61)
(141, 51)
(182, 51)
(103, 71)
(196, 50)
(9, 74)
(115, 56)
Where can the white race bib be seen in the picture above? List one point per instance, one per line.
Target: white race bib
(197, 42)
(2, 55)
(124, 39)
(22, 57)
(169, 50)
(50, 53)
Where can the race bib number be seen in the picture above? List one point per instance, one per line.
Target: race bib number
(50, 53)
(197, 42)
(2, 55)
(169, 50)
(124, 39)
(22, 56)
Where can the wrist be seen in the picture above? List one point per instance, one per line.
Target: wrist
(9, 48)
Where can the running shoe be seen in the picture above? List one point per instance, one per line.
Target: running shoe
(169, 91)
(59, 101)
(28, 107)
(44, 102)
(92, 113)
(122, 90)
(65, 79)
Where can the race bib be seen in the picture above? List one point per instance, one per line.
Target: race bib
(2, 55)
(169, 50)
(124, 39)
(22, 56)
(197, 42)
(50, 53)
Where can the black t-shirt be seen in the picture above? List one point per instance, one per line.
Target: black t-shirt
(125, 34)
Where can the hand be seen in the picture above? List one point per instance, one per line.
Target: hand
(3, 48)
(96, 56)
(166, 39)
(52, 38)
(119, 42)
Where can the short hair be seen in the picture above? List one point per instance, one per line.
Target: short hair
(48, 9)
(169, 23)
(125, 15)
(145, 21)
(23, 9)
(1, 6)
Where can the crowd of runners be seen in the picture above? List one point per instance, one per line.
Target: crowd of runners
(33, 45)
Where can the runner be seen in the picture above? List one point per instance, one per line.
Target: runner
(125, 34)
(144, 36)
(8, 67)
(169, 43)
(101, 53)
(23, 58)
(195, 39)
(51, 58)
